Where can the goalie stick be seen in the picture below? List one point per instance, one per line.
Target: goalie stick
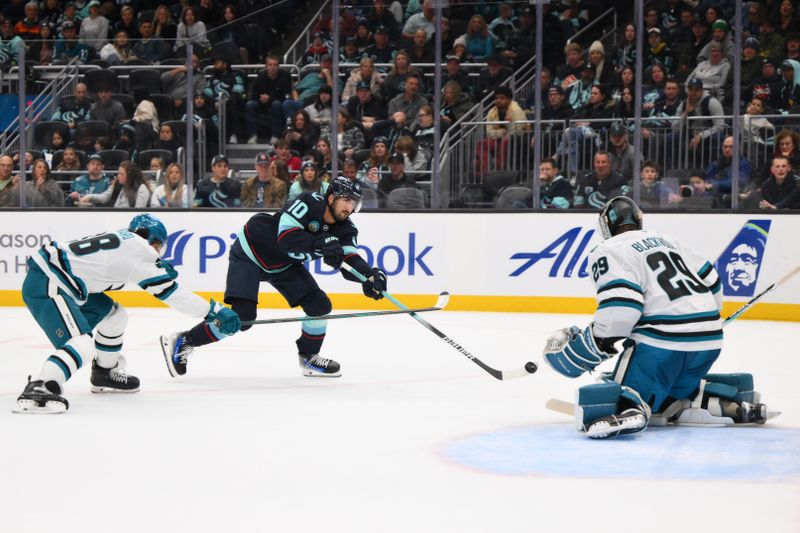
(528, 368)
(441, 303)
(560, 406)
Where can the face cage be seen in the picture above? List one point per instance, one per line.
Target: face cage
(602, 226)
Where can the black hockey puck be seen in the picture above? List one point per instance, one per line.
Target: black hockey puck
(531, 367)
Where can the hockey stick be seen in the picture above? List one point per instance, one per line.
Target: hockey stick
(441, 303)
(560, 406)
(761, 294)
(529, 368)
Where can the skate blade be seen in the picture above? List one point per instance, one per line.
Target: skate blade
(167, 356)
(30, 407)
(112, 390)
(313, 374)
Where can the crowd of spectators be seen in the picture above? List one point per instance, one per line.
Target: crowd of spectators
(687, 100)
(386, 91)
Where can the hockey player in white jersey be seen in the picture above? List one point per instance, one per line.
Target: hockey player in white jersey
(664, 301)
(64, 290)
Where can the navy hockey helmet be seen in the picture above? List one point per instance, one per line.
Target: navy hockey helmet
(156, 230)
(342, 187)
(619, 211)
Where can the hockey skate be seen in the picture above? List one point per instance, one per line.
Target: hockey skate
(316, 366)
(112, 379)
(629, 421)
(754, 413)
(41, 398)
(176, 350)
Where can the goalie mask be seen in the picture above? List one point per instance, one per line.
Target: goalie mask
(618, 212)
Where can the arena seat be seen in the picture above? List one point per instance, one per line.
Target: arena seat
(147, 78)
(127, 102)
(497, 179)
(144, 157)
(43, 131)
(58, 157)
(359, 156)
(509, 195)
(165, 106)
(406, 198)
(112, 158)
(95, 79)
(369, 198)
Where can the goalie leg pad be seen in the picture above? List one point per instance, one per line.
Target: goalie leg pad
(722, 401)
(596, 401)
(741, 384)
(604, 410)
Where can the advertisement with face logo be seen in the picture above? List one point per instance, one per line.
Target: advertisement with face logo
(739, 265)
(533, 262)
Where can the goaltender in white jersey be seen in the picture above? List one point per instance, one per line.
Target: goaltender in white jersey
(655, 291)
(64, 290)
(664, 301)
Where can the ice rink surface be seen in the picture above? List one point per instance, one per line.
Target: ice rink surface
(413, 438)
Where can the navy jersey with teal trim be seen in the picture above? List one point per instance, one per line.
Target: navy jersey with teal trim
(654, 291)
(276, 241)
(109, 261)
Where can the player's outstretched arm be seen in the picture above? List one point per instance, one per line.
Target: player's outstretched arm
(158, 277)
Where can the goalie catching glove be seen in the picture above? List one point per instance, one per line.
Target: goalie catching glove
(331, 250)
(573, 351)
(375, 284)
(224, 319)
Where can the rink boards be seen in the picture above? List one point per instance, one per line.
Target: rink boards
(489, 261)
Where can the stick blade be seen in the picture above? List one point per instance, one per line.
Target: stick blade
(442, 300)
(560, 406)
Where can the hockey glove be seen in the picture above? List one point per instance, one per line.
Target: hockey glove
(375, 285)
(224, 319)
(331, 250)
(166, 265)
(573, 351)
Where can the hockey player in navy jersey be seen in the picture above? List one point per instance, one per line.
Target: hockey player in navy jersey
(274, 248)
(664, 301)
(64, 291)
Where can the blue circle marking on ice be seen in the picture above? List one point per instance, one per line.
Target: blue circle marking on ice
(684, 453)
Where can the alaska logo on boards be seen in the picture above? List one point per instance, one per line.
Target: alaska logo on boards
(738, 266)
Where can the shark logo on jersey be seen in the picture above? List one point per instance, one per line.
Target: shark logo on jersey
(176, 243)
(738, 266)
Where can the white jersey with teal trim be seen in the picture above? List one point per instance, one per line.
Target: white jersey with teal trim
(656, 292)
(108, 261)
